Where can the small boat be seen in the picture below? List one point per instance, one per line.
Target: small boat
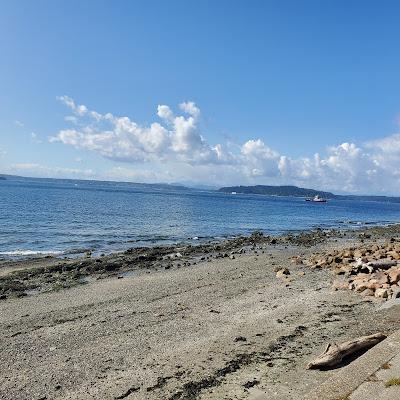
(317, 199)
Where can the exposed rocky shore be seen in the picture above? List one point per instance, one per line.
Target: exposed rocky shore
(51, 273)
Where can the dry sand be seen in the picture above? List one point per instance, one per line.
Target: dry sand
(220, 329)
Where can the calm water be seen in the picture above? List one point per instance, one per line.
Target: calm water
(45, 216)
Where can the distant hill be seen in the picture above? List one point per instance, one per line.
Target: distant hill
(301, 192)
(94, 182)
(277, 191)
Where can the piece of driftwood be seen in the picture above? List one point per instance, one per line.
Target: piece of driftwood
(382, 264)
(334, 353)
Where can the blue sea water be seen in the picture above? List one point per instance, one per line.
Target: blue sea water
(67, 217)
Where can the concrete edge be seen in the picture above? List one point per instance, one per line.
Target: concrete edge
(349, 378)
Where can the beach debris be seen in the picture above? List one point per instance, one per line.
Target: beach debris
(335, 353)
(240, 339)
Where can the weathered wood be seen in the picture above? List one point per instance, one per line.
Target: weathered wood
(334, 353)
(382, 264)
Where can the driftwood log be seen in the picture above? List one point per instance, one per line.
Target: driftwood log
(382, 264)
(334, 353)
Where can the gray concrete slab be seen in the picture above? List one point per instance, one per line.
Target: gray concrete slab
(344, 383)
(375, 391)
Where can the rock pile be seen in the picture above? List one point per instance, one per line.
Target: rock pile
(369, 270)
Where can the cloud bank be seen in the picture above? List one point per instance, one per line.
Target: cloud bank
(174, 148)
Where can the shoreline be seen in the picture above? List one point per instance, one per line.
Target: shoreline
(37, 274)
(221, 325)
(79, 252)
(34, 275)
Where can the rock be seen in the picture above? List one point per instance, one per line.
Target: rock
(361, 287)
(380, 277)
(282, 273)
(393, 254)
(339, 271)
(232, 257)
(240, 339)
(359, 253)
(250, 384)
(340, 285)
(367, 292)
(395, 292)
(394, 275)
(297, 260)
(374, 286)
(382, 293)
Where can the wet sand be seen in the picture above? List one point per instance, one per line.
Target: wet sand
(220, 328)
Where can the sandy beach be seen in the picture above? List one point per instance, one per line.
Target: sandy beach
(213, 322)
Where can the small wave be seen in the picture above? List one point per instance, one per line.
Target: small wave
(19, 253)
(77, 251)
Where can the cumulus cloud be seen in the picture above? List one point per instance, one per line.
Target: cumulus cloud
(175, 137)
(176, 143)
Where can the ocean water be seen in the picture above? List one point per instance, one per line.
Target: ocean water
(71, 217)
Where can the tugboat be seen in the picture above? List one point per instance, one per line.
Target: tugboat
(317, 199)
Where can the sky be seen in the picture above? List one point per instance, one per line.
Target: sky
(203, 92)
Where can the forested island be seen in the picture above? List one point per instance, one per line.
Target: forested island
(295, 191)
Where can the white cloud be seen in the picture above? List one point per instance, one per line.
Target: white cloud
(35, 138)
(71, 118)
(387, 145)
(34, 169)
(18, 123)
(176, 148)
(119, 138)
(190, 108)
(135, 175)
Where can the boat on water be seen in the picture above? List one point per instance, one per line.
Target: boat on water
(317, 199)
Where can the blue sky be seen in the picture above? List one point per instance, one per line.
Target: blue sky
(303, 92)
